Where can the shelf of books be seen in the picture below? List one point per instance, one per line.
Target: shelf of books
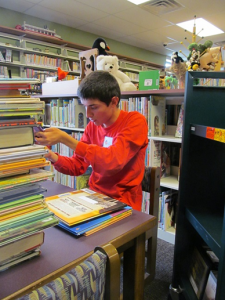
(23, 210)
(163, 110)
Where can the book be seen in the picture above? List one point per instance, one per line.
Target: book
(199, 272)
(210, 290)
(27, 256)
(80, 205)
(24, 225)
(17, 122)
(22, 164)
(180, 121)
(34, 175)
(20, 192)
(165, 159)
(20, 247)
(106, 220)
(16, 136)
(158, 115)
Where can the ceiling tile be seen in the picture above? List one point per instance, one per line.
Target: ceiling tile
(54, 16)
(119, 24)
(109, 6)
(20, 6)
(142, 18)
(74, 9)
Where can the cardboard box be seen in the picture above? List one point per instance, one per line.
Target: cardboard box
(149, 80)
(66, 87)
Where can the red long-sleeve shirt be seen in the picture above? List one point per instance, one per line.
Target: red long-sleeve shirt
(118, 170)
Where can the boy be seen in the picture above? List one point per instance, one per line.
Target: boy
(114, 142)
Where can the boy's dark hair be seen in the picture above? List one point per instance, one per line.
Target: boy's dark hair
(99, 85)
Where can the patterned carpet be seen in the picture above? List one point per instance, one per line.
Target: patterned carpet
(158, 289)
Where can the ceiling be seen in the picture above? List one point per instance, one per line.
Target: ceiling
(152, 29)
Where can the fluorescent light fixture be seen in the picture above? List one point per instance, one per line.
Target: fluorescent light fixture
(203, 27)
(137, 2)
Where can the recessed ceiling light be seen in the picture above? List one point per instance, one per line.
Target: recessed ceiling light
(137, 2)
(203, 27)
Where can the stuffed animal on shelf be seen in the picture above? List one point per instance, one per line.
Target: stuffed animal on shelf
(111, 64)
(101, 45)
(62, 74)
(210, 59)
(176, 58)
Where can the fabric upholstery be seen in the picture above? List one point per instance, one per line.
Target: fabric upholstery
(84, 282)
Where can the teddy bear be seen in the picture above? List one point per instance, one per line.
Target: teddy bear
(111, 64)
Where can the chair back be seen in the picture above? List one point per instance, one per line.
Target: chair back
(91, 279)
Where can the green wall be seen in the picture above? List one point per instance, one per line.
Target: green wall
(11, 18)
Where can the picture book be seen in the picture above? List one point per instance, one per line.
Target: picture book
(20, 259)
(20, 192)
(17, 122)
(210, 290)
(34, 175)
(20, 247)
(80, 205)
(179, 128)
(24, 225)
(16, 136)
(158, 115)
(199, 272)
(165, 159)
(83, 227)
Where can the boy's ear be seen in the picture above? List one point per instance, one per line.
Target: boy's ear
(115, 100)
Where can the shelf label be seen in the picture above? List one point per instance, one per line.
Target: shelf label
(210, 132)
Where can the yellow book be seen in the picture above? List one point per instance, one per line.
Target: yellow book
(21, 164)
(22, 211)
(81, 205)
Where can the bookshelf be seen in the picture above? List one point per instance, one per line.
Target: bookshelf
(201, 218)
(172, 97)
(27, 47)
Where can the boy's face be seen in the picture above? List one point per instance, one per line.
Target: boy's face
(99, 113)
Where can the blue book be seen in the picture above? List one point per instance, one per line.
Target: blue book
(83, 227)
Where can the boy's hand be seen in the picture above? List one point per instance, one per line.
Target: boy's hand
(51, 156)
(50, 136)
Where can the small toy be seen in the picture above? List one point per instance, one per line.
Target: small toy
(61, 74)
(101, 45)
(111, 64)
(176, 58)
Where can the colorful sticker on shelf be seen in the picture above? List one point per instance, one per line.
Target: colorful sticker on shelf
(210, 131)
(223, 135)
(218, 135)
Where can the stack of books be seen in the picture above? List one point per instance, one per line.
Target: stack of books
(23, 211)
(85, 211)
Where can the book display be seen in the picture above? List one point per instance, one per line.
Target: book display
(201, 206)
(23, 211)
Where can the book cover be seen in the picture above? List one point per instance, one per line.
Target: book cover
(180, 121)
(20, 259)
(83, 227)
(199, 272)
(165, 159)
(24, 225)
(20, 192)
(80, 205)
(158, 115)
(34, 175)
(156, 153)
(16, 136)
(210, 290)
(12, 250)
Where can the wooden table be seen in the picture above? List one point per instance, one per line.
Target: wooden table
(62, 250)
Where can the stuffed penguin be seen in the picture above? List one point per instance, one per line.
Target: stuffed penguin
(101, 45)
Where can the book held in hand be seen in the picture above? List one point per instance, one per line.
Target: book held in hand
(81, 205)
